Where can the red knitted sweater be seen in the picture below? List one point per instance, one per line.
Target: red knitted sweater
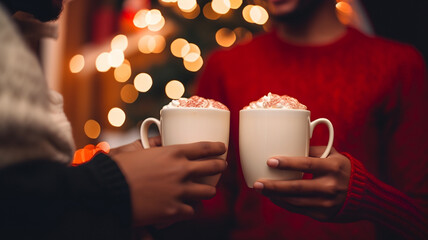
(375, 93)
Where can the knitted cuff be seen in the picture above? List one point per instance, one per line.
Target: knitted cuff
(104, 189)
(351, 209)
(370, 199)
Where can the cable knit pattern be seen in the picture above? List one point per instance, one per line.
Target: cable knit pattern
(32, 123)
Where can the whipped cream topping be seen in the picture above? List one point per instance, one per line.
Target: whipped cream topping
(195, 102)
(276, 101)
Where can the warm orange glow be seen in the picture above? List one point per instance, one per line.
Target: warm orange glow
(143, 82)
(160, 43)
(191, 57)
(140, 18)
(344, 12)
(186, 5)
(158, 26)
(209, 13)
(143, 44)
(246, 13)
(116, 117)
(116, 58)
(119, 42)
(128, 93)
(151, 44)
(123, 72)
(344, 7)
(193, 14)
(235, 4)
(225, 37)
(177, 46)
(193, 66)
(242, 34)
(77, 63)
(92, 129)
(153, 17)
(174, 89)
(102, 62)
(103, 146)
(220, 6)
(87, 153)
(259, 15)
(191, 49)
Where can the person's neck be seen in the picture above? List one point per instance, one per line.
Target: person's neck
(320, 27)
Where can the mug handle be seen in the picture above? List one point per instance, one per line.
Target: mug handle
(330, 133)
(144, 130)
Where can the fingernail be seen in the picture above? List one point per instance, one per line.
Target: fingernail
(258, 186)
(273, 162)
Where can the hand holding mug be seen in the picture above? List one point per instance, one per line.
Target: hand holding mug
(321, 197)
(162, 179)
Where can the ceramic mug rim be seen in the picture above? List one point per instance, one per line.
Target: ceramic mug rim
(193, 109)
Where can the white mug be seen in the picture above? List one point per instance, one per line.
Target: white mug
(265, 133)
(189, 125)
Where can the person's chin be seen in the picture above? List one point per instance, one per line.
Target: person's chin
(282, 7)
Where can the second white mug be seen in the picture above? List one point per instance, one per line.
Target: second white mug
(265, 133)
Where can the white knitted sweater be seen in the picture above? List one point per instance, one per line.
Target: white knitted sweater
(32, 122)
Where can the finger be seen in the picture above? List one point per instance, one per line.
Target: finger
(182, 211)
(202, 149)
(206, 167)
(317, 151)
(198, 191)
(155, 141)
(304, 164)
(293, 188)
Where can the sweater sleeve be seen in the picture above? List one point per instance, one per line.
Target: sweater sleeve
(370, 199)
(47, 200)
(396, 197)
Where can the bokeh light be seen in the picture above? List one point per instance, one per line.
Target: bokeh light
(140, 18)
(190, 49)
(344, 12)
(246, 13)
(77, 62)
(177, 46)
(116, 58)
(225, 37)
(158, 26)
(209, 13)
(220, 6)
(143, 44)
(123, 72)
(192, 14)
(92, 129)
(153, 17)
(259, 15)
(174, 89)
(128, 93)
(193, 66)
(119, 42)
(235, 4)
(160, 44)
(186, 5)
(143, 82)
(102, 62)
(116, 117)
(191, 57)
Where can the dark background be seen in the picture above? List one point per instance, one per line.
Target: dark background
(405, 21)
